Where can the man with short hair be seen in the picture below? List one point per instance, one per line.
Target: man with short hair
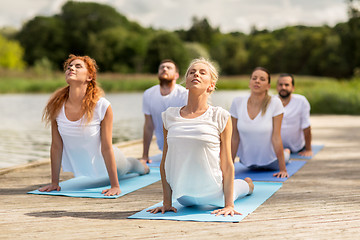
(295, 127)
(157, 99)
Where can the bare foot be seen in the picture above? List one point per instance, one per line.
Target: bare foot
(251, 185)
(146, 167)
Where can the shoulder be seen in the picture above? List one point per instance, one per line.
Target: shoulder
(152, 89)
(275, 100)
(240, 99)
(219, 111)
(299, 97)
(180, 88)
(103, 102)
(171, 110)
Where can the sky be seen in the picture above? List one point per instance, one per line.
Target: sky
(228, 15)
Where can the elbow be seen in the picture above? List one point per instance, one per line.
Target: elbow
(106, 149)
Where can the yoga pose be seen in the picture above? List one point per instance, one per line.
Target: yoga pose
(81, 129)
(295, 127)
(196, 167)
(157, 99)
(256, 121)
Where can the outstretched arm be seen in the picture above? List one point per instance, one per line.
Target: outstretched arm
(167, 192)
(147, 137)
(55, 157)
(108, 153)
(308, 150)
(227, 168)
(278, 146)
(235, 138)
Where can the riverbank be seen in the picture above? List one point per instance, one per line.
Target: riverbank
(326, 95)
(321, 201)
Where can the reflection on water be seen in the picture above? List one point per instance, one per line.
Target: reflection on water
(24, 138)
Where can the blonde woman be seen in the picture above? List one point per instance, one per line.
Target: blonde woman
(196, 167)
(256, 121)
(81, 129)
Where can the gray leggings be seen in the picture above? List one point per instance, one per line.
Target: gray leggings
(273, 165)
(241, 189)
(127, 165)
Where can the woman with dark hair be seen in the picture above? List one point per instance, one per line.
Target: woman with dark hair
(81, 129)
(256, 121)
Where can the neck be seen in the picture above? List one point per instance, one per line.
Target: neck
(167, 86)
(285, 101)
(256, 99)
(197, 102)
(76, 94)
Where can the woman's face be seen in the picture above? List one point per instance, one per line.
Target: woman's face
(259, 81)
(77, 72)
(199, 77)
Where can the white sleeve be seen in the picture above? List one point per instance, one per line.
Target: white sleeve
(104, 105)
(278, 107)
(146, 103)
(305, 114)
(234, 107)
(223, 119)
(163, 116)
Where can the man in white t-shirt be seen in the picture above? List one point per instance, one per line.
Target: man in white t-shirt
(157, 99)
(295, 128)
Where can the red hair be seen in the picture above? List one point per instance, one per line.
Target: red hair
(92, 95)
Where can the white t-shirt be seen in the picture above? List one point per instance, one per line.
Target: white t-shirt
(192, 163)
(296, 119)
(255, 147)
(154, 104)
(82, 144)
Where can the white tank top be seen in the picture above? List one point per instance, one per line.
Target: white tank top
(192, 163)
(82, 144)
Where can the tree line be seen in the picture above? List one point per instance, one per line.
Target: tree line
(121, 45)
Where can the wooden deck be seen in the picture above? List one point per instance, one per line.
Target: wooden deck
(321, 201)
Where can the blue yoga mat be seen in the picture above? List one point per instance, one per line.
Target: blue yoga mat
(92, 188)
(242, 172)
(315, 150)
(246, 205)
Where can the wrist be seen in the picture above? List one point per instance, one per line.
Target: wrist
(229, 205)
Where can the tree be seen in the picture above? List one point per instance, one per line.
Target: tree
(353, 39)
(166, 45)
(200, 31)
(230, 53)
(43, 37)
(11, 54)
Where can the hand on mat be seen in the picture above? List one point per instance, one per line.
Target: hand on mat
(281, 174)
(50, 187)
(226, 211)
(112, 191)
(306, 153)
(162, 209)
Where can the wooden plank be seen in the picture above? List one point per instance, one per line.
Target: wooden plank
(321, 201)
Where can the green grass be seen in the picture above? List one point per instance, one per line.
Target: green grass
(326, 95)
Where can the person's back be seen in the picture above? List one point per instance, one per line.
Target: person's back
(157, 99)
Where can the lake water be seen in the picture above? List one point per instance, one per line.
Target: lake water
(24, 138)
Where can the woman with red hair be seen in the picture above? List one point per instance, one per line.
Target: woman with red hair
(81, 128)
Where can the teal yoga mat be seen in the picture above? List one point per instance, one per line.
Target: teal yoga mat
(246, 205)
(242, 172)
(315, 149)
(92, 188)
